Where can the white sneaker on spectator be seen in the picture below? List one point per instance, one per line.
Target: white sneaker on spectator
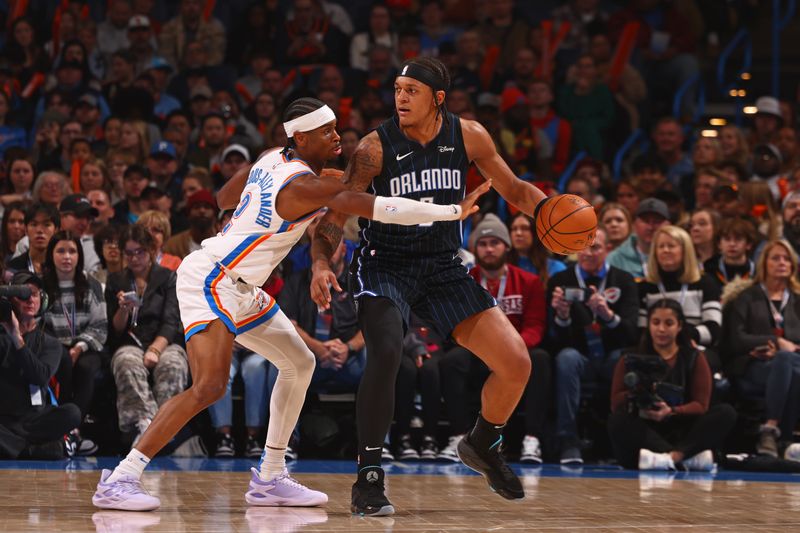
(406, 450)
(289, 454)
(252, 449)
(655, 461)
(531, 450)
(792, 452)
(429, 449)
(449, 452)
(225, 445)
(702, 462)
(386, 454)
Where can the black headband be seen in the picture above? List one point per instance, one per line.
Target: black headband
(423, 74)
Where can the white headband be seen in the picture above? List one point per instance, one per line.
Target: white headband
(309, 121)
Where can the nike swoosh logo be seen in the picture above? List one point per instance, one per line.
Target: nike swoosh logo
(399, 157)
(372, 449)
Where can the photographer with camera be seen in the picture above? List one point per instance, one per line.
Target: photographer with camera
(31, 424)
(593, 316)
(660, 414)
(762, 341)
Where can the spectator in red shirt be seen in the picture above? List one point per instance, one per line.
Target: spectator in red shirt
(521, 297)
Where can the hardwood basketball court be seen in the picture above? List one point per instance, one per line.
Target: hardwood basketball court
(208, 495)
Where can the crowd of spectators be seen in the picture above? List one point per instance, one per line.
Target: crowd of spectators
(120, 119)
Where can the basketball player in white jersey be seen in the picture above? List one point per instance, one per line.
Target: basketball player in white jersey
(221, 301)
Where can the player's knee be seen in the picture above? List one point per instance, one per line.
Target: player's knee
(206, 391)
(516, 364)
(305, 365)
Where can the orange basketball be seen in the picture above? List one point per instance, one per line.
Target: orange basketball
(566, 224)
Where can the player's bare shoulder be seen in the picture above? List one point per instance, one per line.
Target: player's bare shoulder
(365, 164)
(477, 141)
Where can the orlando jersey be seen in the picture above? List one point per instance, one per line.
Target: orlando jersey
(257, 239)
(434, 173)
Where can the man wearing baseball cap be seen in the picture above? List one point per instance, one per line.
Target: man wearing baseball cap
(234, 157)
(767, 120)
(87, 112)
(140, 35)
(77, 215)
(520, 295)
(631, 256)
(165, 169)
(202, 211)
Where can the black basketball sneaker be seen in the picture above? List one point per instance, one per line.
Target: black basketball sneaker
(368, 498)
(491, 465)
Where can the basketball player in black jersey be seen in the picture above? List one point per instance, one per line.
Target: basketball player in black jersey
(423, 153)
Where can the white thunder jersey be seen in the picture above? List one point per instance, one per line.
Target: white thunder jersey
(257, 239)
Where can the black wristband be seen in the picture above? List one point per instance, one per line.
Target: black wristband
(539, 207)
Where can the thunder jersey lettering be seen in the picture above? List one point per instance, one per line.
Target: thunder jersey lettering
(257, 239)
(434, 173)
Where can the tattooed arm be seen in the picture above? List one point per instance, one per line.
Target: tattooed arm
(364, 165)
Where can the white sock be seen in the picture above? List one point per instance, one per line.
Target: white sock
(133, 465)
(272, 464)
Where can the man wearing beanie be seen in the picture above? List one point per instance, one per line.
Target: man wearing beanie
(521, 297)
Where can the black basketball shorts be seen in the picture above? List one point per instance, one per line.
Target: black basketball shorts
(436, 288)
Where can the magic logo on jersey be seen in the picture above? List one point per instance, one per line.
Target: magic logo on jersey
(264, 180)
(429, 179)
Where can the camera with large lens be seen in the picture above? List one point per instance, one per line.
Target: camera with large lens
(22, 292)
(643, 377)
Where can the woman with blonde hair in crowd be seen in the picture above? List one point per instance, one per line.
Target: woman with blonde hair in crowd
(674, 273)
(703, 227)
(757, 202)
(707, 152)
(94, 176)
(617, 221)
(734, 145)
(157, 224)
(134, 137)
(762, 340)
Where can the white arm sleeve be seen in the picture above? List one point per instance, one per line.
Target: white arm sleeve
(407, 212)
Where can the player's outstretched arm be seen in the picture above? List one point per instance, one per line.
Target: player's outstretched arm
(230, 193)
(481, 149)
(228, 196)
(364, 165)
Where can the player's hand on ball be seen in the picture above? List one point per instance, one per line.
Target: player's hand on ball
(468, 206)
(566, 224)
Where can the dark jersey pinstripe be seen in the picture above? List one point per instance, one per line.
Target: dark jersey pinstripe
(433, 173)
(417, 267)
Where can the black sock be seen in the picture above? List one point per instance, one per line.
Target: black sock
(369, 457)
(485, 435)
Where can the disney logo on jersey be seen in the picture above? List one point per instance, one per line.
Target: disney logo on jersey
(447, 149)
(429, 179)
